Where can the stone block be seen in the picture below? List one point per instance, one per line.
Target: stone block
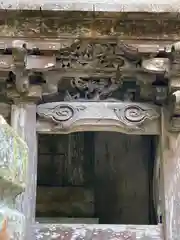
(13, 166)
(13, 160)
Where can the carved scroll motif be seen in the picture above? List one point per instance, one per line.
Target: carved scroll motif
(131, 118)
(62, 113)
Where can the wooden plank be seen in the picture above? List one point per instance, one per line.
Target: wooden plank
(65, 202)
(55, 44)
(98, 232)
(170, 152)
(23, 120)
(60, 220)
(75, 159)
(73, 5)
(78, 23)
(122, 169)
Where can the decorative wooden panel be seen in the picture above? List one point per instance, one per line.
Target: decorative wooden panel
(52, 154)
(122, 178)
(64, 174)
(61, 160)
(65, 202)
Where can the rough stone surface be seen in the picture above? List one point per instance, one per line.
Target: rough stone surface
(13, 160)
(13, 153)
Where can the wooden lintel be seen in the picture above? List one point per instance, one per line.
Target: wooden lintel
(66, 117)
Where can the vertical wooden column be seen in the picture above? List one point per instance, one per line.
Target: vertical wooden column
(170, 173)
(23, 120)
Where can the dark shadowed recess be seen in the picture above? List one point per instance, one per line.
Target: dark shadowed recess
(98, 175)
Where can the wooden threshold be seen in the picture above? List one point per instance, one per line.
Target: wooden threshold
(97, 232)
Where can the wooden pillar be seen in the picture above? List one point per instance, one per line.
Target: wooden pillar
(170, 173)
(23, 120)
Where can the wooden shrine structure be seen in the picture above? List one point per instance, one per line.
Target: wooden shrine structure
(85, 67)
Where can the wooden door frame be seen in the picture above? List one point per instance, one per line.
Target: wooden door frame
(23, 119)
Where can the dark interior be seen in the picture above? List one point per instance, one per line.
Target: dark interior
(98, 175)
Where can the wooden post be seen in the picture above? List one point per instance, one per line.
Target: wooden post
(170, 172)
(23, 120)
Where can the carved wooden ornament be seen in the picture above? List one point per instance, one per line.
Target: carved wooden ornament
(131, 118)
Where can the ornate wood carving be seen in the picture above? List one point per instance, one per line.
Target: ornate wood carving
(83, 68)
(131, 118)
(87, 69)
(87, 45)
(85, 54)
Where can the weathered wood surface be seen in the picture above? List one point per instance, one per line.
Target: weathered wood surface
(61, 160)
(23, 120)
(171, 160)
(64, 201)
(13, 171)
(63, 220)
(5, 110)
(98, 232)
(72, 172)
(87, 23)
(124, 117)
(123, 178)
(73, 5)
(64, 174)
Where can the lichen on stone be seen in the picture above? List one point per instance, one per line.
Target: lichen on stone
(13, 156)
(13, 168)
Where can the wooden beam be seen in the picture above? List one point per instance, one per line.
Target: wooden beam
(23, 120)
(67, 117)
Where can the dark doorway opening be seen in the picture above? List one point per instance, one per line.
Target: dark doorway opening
(96, 177)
